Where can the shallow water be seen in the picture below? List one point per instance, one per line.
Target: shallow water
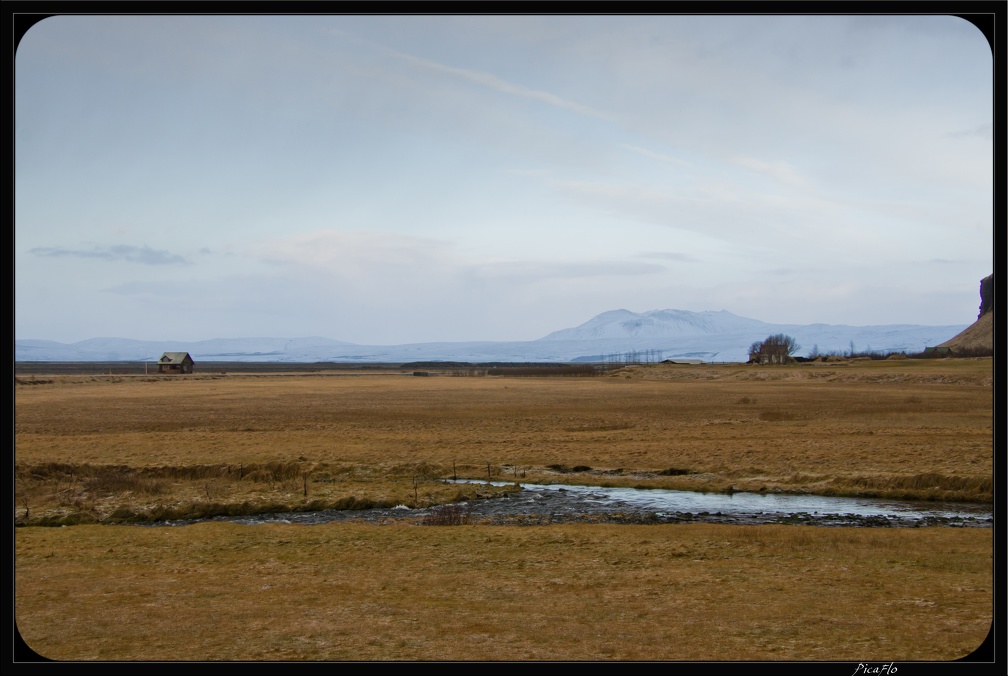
(565, 503)
(670, 502)
(660, 500)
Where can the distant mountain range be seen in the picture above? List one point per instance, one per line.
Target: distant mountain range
(654, 336)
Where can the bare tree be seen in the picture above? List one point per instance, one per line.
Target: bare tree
(775, 349)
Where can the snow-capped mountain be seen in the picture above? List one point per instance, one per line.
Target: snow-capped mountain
(654, 336)
(723, 336)
(618, 324)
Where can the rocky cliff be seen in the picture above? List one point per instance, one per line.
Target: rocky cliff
(986, 295)
(978, 338)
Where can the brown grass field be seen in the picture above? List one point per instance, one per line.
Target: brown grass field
(93, 451)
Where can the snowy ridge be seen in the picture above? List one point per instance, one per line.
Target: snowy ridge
(655, 335)
(657, 324)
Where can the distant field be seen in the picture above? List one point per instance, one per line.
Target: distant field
(900, 429)
(102, 448)
(203, 368)
(119, 368)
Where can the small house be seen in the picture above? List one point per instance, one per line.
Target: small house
(175, 362)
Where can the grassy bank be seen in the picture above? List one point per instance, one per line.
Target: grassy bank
(573, 592)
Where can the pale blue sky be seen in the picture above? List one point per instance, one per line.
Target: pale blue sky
(396, 179)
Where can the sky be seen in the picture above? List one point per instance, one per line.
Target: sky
(422, 178)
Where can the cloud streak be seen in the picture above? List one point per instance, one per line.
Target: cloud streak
(532, 271)
(782, 172)
(376, 256)
(655, 155)
(677, 256)
(500, 85)
(143, 255)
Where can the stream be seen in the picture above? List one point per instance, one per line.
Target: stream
(541, 504)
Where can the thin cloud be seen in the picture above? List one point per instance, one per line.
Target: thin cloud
(669, 256)
(779, 171)
(146, 288)
(503, 86)
(532, 173)
(371, 255)
(120, 252)
(984, 131)
(357, 250)
(654, 155)
(713, 211)
(528, 271)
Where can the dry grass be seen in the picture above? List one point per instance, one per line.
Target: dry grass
(120, 448)
(976, 337)
(584, 592)
(87, 448)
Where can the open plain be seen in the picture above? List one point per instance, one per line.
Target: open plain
(97, 452)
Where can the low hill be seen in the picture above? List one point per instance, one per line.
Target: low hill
(978, 337)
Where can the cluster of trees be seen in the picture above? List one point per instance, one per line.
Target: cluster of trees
(780, 349)
(635, 357)
(775, 349)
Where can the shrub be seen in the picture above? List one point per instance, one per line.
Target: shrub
(449, 515)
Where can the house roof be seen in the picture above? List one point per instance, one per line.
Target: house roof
(174, 357)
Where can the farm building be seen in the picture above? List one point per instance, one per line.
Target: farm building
(175, 362)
